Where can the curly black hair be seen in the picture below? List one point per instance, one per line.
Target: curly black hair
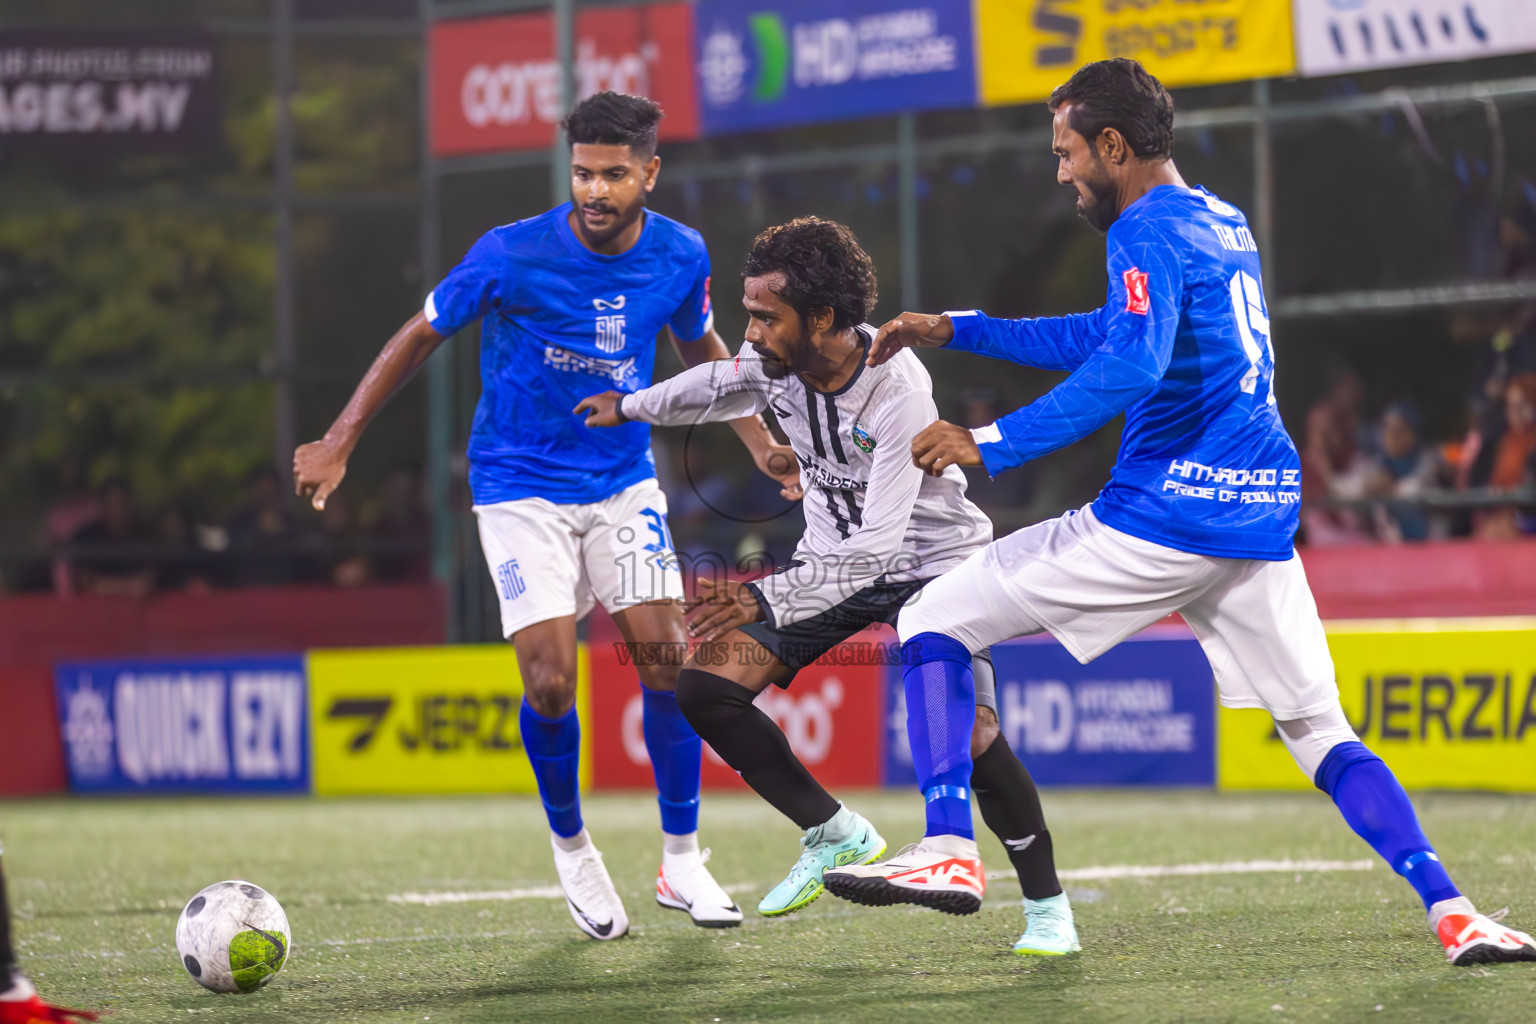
(615, 119)
(1120, 94)
(823, 266)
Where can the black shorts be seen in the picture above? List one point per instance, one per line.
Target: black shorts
(800, 643)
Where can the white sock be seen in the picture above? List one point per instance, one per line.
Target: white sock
(1455, 905)
(678, 846)
(573, 843)
(20, 991)
(840, 826)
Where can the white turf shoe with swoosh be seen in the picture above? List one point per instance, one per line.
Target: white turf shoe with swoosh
(684, 883)
(942, 872)
(589, 893)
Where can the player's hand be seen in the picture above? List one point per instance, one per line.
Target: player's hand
(602, 410)
(778, 461)
(941, 445)
(910, 330)
(317, 470)
(719, 606)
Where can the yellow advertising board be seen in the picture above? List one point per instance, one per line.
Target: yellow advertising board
(424, 720)
(1446, 703)
(1028, 47)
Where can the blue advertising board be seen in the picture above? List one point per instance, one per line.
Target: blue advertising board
(804, 60)
(186, 725)
(1143, 714)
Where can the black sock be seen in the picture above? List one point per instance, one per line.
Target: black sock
(1010, 805)
(7, 953)
(723, 714)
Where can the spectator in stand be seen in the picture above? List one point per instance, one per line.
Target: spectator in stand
(342, 562)
(112, 554)
(269, 543)
(403, 530)
(1513, 454)
(1404, 468)
(183, 565)
(1333, 466)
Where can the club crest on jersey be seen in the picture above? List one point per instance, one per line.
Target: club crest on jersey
(862, 439)
(1136, 298)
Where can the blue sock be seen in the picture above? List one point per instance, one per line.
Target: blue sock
(554, 750)
(675, 751)
(941, 710)
(1376, 807)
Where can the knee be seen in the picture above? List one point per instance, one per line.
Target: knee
(549, 685)
(705, 699)
(985, 732)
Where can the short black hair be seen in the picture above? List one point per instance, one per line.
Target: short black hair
(823, 266)
(615, 119)
(1120, 94)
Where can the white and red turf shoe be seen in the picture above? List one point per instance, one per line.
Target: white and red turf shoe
(1473, 938)
(684, 883)
(942, 872)
(20, 1004)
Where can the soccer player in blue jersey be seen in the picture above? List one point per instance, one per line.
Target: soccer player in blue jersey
(572, 303)
(1198, 517)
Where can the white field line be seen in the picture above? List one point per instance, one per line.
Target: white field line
(1228, 867)
(543, 892)
(1098, 874)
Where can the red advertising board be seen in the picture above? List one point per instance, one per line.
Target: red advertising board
(831, 714)
(494, 80)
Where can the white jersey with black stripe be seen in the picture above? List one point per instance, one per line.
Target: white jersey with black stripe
(870, 514)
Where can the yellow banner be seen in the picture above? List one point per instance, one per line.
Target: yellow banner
(1028, 47)
(1446, 703)
(425, 720)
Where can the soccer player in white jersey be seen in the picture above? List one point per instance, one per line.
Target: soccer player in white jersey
(572, 303)
(1198, 517)
(877, 528)
(19, 1001)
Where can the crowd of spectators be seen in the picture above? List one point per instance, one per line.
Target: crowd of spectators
(1383, 480)
(105, 543)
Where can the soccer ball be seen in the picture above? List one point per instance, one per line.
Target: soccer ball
(233, 937)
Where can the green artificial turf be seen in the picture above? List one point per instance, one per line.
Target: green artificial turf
(97, 887)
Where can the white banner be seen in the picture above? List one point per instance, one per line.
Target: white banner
(1335, 36)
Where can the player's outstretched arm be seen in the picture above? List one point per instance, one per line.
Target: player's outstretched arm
(318, 467)
(910, 330)
(773, 459)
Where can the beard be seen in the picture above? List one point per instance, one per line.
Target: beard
(772, 368)
(1098, 208)
(621, 219)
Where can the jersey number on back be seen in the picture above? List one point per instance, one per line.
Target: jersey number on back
(1253, 327)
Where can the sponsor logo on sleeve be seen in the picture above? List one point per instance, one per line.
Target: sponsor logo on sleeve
(862, 439)
(1136, 298)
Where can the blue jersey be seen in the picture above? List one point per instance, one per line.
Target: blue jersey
(561, 323)
(1182, 347)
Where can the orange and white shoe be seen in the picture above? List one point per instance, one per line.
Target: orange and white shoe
(685, 884)
(20, 1004)
(942, 872)
(1473, 938)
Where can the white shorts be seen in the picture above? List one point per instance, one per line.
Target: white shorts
(1092, 586)
(548, 561)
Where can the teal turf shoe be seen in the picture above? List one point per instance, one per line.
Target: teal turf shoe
(860, 844)
(1048, 928)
